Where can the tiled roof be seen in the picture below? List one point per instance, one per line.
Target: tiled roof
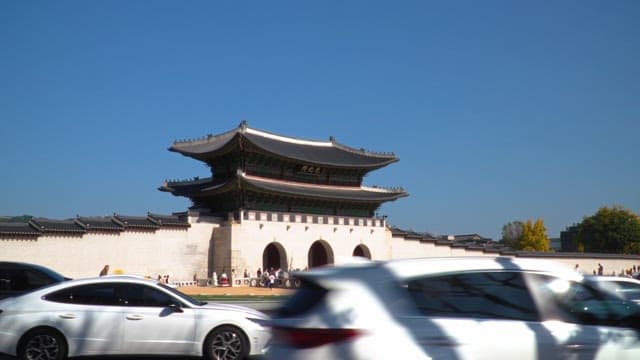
(17, 229)
(56, 226)
(99, 223)
(324, 192)
(81, 224)
(327, 153)
(137, 222)
(287, 188)
(169, 220)
(186, 187)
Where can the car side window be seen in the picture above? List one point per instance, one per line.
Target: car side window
(93, 294)
(23, 279)
(5, 282)
(488, 295)
(143, 295)
(581, 303)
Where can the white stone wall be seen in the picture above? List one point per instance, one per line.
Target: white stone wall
(251, 237)
(166, 251)
(212, 245)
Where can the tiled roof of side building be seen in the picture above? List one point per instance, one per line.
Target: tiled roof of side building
(327, 153)
(17, 229)
(99, 223)
(57, 226)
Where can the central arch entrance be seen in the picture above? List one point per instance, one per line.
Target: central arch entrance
(274, 257)
(362, 251)
(320, 253)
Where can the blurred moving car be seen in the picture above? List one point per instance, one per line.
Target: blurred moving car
(627, 288)
(19, 277)
(123, 315)
(454, 308)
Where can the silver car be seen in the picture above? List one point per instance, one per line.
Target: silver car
(454, 308)
(121, 315)
(626, 288)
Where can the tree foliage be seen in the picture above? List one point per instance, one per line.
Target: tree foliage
(534, 236)
(610, 230)
(527, 236)
(511, 233)
(19, 219)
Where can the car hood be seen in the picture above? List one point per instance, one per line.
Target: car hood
(247, 311)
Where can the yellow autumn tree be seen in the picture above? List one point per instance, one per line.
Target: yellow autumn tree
(534, 237)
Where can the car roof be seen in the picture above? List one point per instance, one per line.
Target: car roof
(94, 280)
(25, 265)
(417, 267)
(614, 279)
(425, 266)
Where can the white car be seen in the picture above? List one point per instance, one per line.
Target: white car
(121, 315)
(454, 308)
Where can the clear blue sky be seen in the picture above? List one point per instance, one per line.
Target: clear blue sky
(498, 110)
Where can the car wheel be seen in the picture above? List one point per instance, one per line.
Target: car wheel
(226, 343)
(42, 344)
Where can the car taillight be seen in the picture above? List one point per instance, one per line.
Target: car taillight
(304, 338)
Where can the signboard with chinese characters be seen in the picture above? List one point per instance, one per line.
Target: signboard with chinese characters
(309, 169)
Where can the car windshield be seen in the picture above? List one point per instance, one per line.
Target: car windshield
(52, 274)
(181, 295)
(627, 290)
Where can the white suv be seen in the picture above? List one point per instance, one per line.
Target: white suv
(454, 308)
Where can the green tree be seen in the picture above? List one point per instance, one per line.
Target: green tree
(512, 233)
(534, 236)
(20, 219)
(610, 230)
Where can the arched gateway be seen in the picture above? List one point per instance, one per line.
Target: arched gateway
(362, 251)
(283, 179)
(320, 253)
(274, 257)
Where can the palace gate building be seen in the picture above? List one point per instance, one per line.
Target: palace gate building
(277, 202)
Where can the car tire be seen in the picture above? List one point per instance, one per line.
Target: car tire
(45, 344)
(226, 343)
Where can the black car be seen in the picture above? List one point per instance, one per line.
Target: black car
(18, 278)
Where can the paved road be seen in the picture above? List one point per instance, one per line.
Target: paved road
(7, 357)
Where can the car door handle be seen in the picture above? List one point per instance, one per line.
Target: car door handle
(135, 317)
(439, 341)
(67, 316)
(580, 347)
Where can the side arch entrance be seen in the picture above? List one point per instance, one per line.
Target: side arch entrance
(362, 251)
(320, 253)
(274, 257)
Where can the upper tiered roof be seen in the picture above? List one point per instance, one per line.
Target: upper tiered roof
(326, 153)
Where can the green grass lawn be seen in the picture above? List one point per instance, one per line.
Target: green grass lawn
(240, 297)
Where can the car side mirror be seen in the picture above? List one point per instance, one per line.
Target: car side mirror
(176, 307)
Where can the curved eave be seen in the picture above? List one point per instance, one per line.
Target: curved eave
(185, 187)
(324, 153)
(329, 153)
(203, 188)
(206, 147)
(333, 193)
